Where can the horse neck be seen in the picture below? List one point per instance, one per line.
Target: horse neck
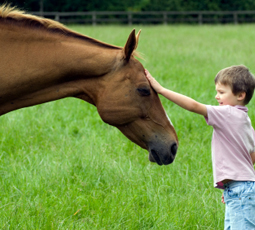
(46, 66)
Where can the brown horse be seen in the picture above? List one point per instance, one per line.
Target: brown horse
(42, 60)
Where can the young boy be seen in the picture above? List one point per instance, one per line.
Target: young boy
(233, 152)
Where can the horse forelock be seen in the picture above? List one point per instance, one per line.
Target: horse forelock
(138, 54)
(16, 15)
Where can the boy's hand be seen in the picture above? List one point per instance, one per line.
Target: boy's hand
(222, 198)
(154, 84)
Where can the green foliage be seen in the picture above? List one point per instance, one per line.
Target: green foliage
(61, 167)
(197, 5)
(134, 5)
(80, 5)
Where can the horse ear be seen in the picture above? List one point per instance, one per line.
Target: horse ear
(130, 45)
(137, 38)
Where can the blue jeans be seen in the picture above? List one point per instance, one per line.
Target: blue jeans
(239, 197)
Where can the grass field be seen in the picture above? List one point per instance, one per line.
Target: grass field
(61, 167)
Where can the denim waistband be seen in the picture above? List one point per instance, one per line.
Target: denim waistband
(237, 183)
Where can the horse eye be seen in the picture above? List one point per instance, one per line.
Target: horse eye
(144, 91)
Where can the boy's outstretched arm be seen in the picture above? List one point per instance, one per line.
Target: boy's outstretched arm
(179, 99)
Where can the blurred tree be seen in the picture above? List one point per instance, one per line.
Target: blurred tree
(132, 5)
(28, 5)
(198, 5)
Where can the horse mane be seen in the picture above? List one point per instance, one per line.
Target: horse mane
(14, 15)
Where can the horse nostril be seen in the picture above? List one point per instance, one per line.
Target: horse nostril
(174, 149)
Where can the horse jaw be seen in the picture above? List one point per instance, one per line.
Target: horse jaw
(162, 147)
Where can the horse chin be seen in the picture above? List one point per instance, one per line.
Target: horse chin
(153, 157)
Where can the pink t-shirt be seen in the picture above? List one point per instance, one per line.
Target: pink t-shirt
(232, 143)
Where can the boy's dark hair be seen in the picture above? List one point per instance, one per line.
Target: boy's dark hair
(239, 78)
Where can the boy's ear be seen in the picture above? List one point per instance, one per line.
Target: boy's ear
(241, 96)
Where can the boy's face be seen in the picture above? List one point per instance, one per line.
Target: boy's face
(225, 96)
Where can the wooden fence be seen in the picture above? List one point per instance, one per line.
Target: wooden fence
(152, 17)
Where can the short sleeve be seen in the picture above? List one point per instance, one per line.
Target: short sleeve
(217, 115)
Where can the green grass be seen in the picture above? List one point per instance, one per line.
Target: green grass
(61, 167)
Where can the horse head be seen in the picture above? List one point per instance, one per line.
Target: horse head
(129, 103)
(62, 63)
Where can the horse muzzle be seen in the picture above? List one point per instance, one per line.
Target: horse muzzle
(161, 155)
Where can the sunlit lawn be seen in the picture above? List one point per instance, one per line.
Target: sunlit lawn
(61, 167)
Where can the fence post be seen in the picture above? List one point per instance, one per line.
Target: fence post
(94, 18)
(165, 18)
(41, 8)
(57, 17)
(130, 18)
(200, 18)
(235, 18)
